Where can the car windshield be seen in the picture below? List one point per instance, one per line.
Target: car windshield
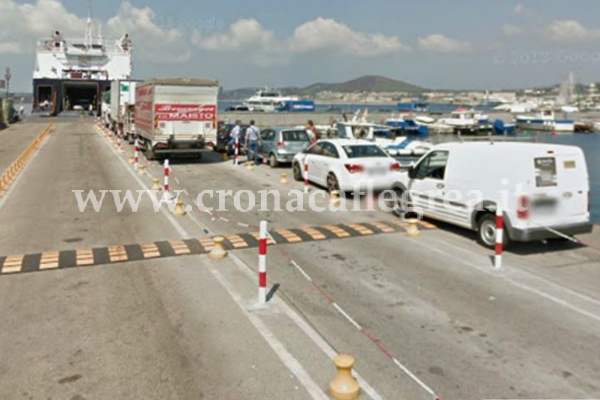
(295, 136)
(362, 151)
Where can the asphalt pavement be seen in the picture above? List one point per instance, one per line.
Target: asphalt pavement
(423, 317)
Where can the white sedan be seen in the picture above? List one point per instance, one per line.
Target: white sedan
(347, 165)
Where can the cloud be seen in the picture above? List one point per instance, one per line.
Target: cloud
(151, 41)
(511, 30)
(244, 33)
(329, 36)
(571, 31)
(21, 25)
(519, 9)
(443, 44)
(322, 35)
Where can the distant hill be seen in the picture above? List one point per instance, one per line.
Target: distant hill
(368, 83)
(363, 84)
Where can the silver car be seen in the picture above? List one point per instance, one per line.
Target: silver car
(281, 145)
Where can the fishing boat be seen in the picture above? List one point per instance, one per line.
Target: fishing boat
(465, 121)
(545, 120)
(268, 100)
(73, 74)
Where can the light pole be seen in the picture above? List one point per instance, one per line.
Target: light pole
(7, 77)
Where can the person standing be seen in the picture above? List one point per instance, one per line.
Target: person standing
(253, 141)
(236, 136)
(313, 132)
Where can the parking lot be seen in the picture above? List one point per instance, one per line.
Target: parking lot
(424, 317)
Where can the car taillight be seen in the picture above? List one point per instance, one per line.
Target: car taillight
(395, 167)
(523, 207)
(354, 168)
(281, 144)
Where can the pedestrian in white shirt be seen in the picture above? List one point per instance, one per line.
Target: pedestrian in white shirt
(253, 141)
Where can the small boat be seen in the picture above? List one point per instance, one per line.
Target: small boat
(465, 121)
(545, 121)
(500, 128)
(413, 106)
(390, 139)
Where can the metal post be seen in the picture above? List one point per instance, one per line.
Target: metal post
(166, 180)
(237, 150)
(305, 176)
(262, 263)
(136, 154)
(499, 238)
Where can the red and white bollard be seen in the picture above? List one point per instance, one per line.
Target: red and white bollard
(167, 169)
(262, 263)
(236, 151)
(136, 154)
(499, 238)
(119, 142)
(305, 176)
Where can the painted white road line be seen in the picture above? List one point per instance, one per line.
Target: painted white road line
(284, 355)
(349, 318)
(273, 342)
(520, 285)
(308, 330)
(357, 326)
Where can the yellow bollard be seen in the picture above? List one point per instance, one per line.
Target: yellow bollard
(335, 198)
(142, 169)
(156, 185)
(218, 251)
(131, 160)
(179, 209)
(224, 157)
(412, 230)
(344, 386)
(250, 165)
(284, 178)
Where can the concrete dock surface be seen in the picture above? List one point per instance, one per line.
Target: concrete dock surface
(423, 317)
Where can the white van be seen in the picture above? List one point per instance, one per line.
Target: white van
(541, 188)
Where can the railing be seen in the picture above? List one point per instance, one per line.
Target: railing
(110, 47)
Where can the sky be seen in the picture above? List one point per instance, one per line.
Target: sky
(437, 44)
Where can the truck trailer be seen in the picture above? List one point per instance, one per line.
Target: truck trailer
(176, 115)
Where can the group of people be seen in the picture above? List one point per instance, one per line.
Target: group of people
(253, 139)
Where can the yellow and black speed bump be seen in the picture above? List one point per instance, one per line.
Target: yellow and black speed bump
(53, 260)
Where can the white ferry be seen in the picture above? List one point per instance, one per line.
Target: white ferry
(268, 101)
(73, 74)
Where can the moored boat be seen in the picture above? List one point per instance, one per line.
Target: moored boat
(545, 121)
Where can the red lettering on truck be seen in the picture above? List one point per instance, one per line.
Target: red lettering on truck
(185, 112)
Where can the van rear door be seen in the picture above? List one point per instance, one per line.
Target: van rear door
(560, 189)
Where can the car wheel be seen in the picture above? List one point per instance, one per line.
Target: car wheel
(273, 163)
(297, 172)
(486, 231)
(400, 205)
(332, 183)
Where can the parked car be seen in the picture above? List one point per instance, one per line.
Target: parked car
(541, 188)
(225, 140)
(281, 145)
(347, 164)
